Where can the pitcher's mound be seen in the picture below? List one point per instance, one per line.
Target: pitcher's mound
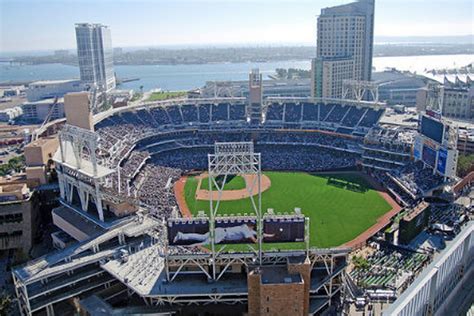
(230, 195)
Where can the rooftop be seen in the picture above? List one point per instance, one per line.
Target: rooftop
(52, 82)
(79, 221)
(80, 254)
(45, 101)
(279, 275)
(405, 119)
(86, 167)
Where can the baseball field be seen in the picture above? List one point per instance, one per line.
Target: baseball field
(340, 206)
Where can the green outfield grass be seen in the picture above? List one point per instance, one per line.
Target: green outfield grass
(338, 213)
(232, 183)
(165, 95)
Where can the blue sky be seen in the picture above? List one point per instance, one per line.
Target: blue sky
(49, 24)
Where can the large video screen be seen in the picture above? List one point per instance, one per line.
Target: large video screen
(187, 232)
(432, 129)
(442, 160)
(429, 156)
(283, 229)
(236, 230)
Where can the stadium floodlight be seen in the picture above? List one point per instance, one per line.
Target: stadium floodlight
(358, 89)
(229, 159)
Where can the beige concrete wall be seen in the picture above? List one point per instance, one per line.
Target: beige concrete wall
(253, 284)
(282, 299)
(286, 299)
(36, 173)
(421, 99)
(39, 152)
(304, 269)
(28, 224)
(78, 112)
(122, 209)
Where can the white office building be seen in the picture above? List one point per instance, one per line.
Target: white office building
(7, 115)
(38, 111)
(95, 55)
(48, 89)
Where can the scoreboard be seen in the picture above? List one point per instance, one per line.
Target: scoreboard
(432, 128)
(431, 146)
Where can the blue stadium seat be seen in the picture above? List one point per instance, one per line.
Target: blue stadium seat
(175, 114)
(220, 112)
(237, 112)
(146, 117)
(310, 112)
(190, 113)
(131, 118)
(337, 114)
(160, 116)
(275, 112)
(353, 116)
(204, 113)
(324, 110)
(292, 112)
(371, 118)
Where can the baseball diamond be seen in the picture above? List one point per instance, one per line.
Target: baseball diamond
(341, 206)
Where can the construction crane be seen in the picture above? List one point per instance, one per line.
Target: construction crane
(36, 133)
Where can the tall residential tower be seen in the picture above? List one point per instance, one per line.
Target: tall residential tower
(345, 36)
(95, 54)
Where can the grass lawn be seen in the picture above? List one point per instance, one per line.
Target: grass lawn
(232, 183)
(165, 95)
(337, 214)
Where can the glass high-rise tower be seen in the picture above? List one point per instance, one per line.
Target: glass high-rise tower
(344, 47)
(95, 54)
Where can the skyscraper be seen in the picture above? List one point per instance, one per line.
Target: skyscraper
(95, 54)
(345, 36)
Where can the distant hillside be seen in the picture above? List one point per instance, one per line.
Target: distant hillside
(464, 39)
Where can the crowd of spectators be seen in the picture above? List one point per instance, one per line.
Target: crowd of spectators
(175, 117)
(274, 157)
(399, 194)
(417, 178)
(133, 164)
(153, 187)
(290, 157)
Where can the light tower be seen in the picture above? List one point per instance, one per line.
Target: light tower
(234, 158)
(254, 107)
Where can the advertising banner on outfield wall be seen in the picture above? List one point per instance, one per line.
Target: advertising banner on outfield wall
(279, 229)
(236, 230)
(187, 232)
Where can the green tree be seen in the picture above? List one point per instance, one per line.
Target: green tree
(15, 164)
(360, 262)
(465, 164)
(5, 304)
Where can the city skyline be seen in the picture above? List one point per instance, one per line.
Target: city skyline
(164, 23)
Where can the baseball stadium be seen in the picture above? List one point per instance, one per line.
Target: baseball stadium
(170, 205)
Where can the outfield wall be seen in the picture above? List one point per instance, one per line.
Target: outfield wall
(427, 294)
